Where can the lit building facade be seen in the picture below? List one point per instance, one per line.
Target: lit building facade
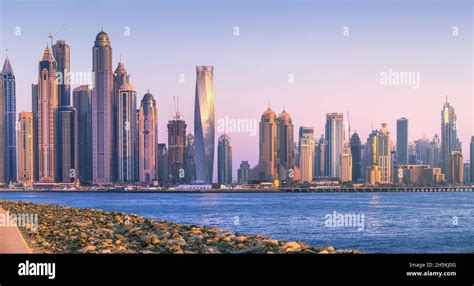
(335, 141)
(47, 119)
(25, 148)
(102, 110)
(204, 124)
(148, 139)
(9, 118)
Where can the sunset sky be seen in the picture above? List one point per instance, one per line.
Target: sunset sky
(277, 40)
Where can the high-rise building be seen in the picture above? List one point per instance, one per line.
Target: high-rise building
(34, 109)
(120, 77)
(266, 169)
(378, 167)
(320, 158)
(148, 139)
(243, 174)
(421, 150)
(204, 126)
(190, 168)
(335, 140)
(2, 132)
(163, 173)
(383, 153)
(25, 148)
(61, 53)
(455, 173)
(449, 139)
(355, 146)
(69, 171)
(9, 118)
(306, 153)
(126, 133)
(346, 164)
(102, 109)
(176, 149)
(285, 146)
(467, 174)
(47, 119)
(402, 140)
(433, 153)
(61, 56)
(224, 160)
(82, 100)
(472, 159)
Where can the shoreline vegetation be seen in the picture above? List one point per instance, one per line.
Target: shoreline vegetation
(63, 229)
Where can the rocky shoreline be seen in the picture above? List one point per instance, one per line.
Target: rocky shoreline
(63, 229)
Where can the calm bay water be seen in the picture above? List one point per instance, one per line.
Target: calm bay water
(394, 222)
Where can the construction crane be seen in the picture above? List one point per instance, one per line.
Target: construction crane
(51, 36)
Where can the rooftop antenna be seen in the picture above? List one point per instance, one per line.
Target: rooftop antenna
(6, 53)
(176, 107)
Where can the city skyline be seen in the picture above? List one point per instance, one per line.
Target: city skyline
(235, 102)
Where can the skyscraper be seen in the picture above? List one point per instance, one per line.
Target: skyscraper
(320, 157)
(2, 132)
(421, 150)
(224, 160)
(346, 164)
(62, 57)
(355, 146)
(126, 133)
(102, 109)
(190, 168)
(306, 153)
(433, 153)
(378, 167)
(34, 109)
(120, 77)
(335, 140)
(402, 141)
(285, 146)
(163, 174)
(82, 100)
(47, 119)
(9, 93)
(243, 173)
(467, 174)
(204, 130)
(25, 148)
(472, 159)
(456, 168)
(449, 139)
(176, 149)
(148, 139)
(266, 169)
(68, 173)
(383, 153)
(61, 53)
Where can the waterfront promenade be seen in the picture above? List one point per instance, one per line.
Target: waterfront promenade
(11, 239)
